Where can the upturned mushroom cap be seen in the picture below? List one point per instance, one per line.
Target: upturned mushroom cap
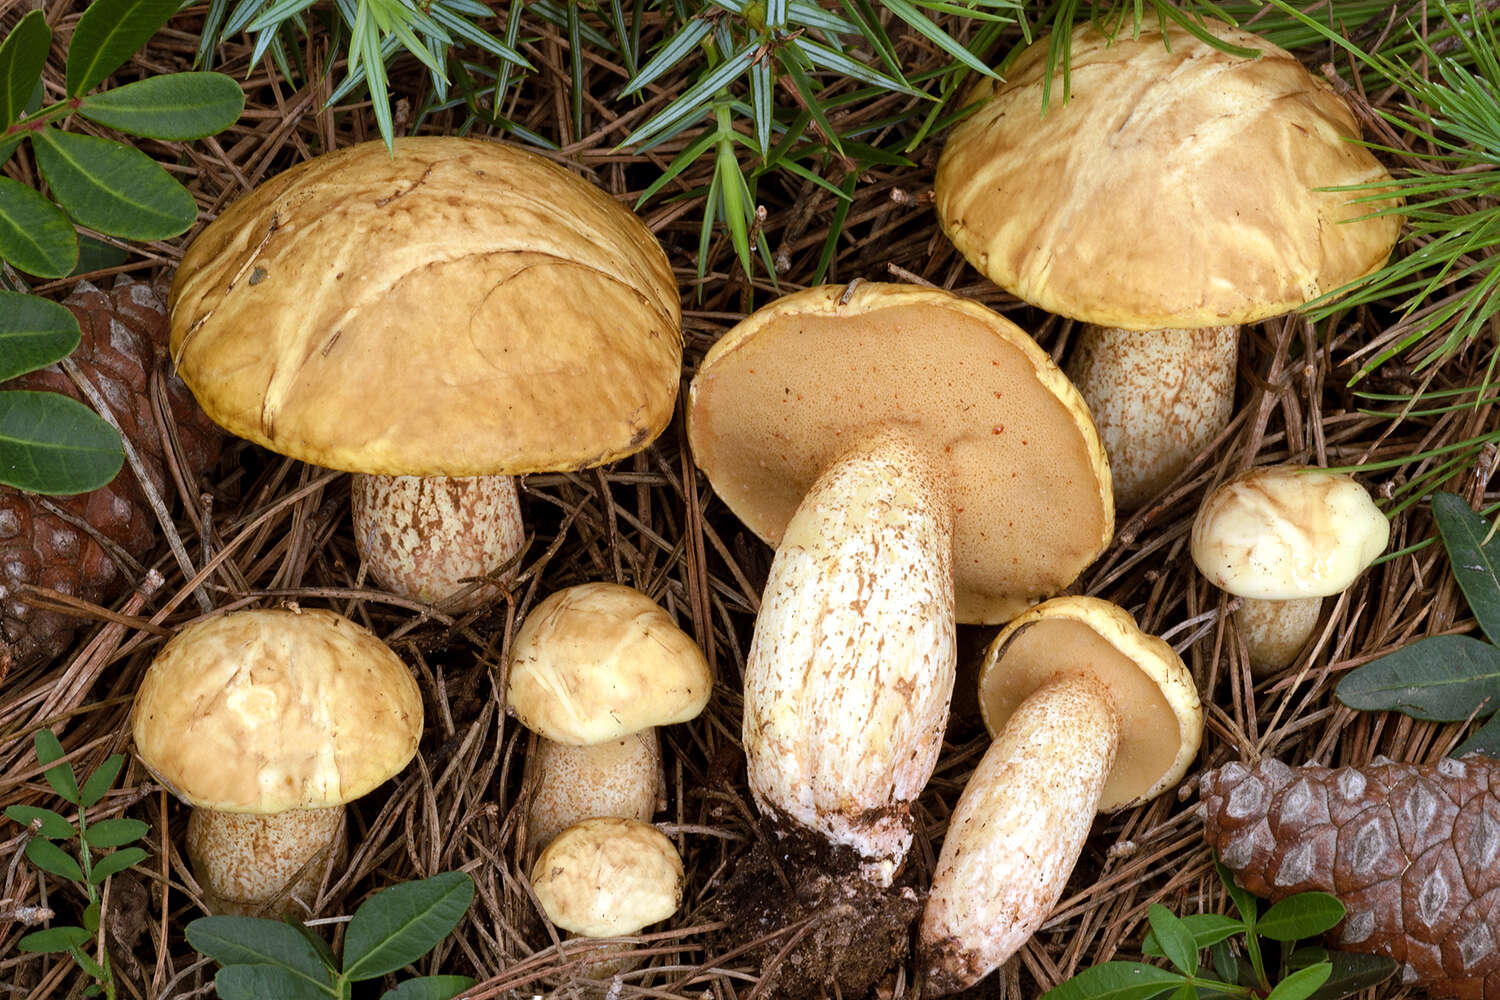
(608, 876)
(1215, 160)
(435, 312)
(1287, 531)
(1161, 719)
(598, 662)
(798, 382)
(262, 711)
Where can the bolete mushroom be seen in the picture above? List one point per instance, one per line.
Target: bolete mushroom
(916, 458)
(1282, 538)
(437, 321)
(1180, 191)
(268, 722)
(608, 876)
(1088, 714)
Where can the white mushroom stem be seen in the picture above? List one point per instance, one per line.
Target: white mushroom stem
(255, 865)
(852, 663)
(1275, 631)
(427, 537)
(615, 778)
(1017, 831)
(1158, 398)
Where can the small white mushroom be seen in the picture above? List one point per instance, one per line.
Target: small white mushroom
(608, 876)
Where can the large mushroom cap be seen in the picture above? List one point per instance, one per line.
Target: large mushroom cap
(1176, 188)
(435, 312)
(262, 711)
(1152, 690)
(1286, 532)
(800, 381)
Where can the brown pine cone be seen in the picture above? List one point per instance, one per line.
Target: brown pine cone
(1412, 851)
(124, 334)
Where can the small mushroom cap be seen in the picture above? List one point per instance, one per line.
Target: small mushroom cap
(262, 711)
(608, 876)
(798, 382)
(598, 662)
(436, 312)
(1287, 531)
(1214, 159)
(1153, 692)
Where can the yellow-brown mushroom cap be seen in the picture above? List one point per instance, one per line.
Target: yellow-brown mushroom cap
(1177, 187)
(262, 711)
(461, 308)
(800, 381)
(1152, 690)
(607, 876)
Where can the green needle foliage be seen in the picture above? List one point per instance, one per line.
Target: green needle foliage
(81, 866)
(390, 930)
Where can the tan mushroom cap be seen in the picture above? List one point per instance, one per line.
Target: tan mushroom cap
(1285, 532)
(608, 876)
(1151, 688)
(800, 381)
(1174, 189)
(262, 711)
(438, 312)
(600, 661)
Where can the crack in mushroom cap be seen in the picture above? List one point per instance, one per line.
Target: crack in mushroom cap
(261, 711)
(461, 308)
(1175, 188)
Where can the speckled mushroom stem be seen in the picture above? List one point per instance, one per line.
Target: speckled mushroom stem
(425, 537)
(615, 778)
(1275, 631)
(1158, 398)
(258, 865)
(1017, 831)
(852, 663)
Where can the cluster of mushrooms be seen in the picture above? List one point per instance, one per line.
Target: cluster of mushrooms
(914, 457)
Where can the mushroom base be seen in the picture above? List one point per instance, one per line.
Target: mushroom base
(263, 866)
(1275, 631)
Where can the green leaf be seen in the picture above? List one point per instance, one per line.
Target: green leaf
(54, 826)
(429, 988)
(53, 444)
(396, 926)
(112, 188)
(35, 235)
(174, 106)
(1174, 937)
(1353, 972)
(108, 33)
(23, 56)
(115, 832)
(1444, 678)
(1486, 739)
(96, 255)
(98, 783)
(232, 941)
(257, 982)
(1244, 899)
(34, 332)
(1305, 915)
(48, 749)
(1474, 552)
(1116, 981)
(53, 859)
(91, 917)
(1208, 929)
(1301, 984)
(113, 864)
(54, 939)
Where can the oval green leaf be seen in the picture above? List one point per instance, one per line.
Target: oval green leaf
(1117, 981)
(1474, 553)
(397, 926)
(96, 255)
(99, 782)
(52, 444)
(1354, 971)
(258, 982)
(113, 864)
(35, 235)
(53, 826)
(34, 332)
(1174, 937)
(174, 106)
(1208, 929)
(1445, 678)
(53, 859)
(1486, 739)
(112, 188)
(115, 832)
(429, 988)
(108, 33)
(255, 941)
(1301, 984)
(22, 58)
(1305, 915)
(54, 939)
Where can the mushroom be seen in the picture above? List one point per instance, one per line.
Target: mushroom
(593, 670)
(1179, 192)
(1088, 714)
(438, 321)
(608, 876)
(914, 457)
(268, 722)
(1282, 538)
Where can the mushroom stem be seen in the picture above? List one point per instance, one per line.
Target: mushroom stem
(1275, 631)
(254, 865)
(1158, 398)
(425, 536)
(852, 663)
(1017, 831)
(617, 778)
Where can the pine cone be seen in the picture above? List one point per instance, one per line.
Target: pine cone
(124, 334)
(1413, 851)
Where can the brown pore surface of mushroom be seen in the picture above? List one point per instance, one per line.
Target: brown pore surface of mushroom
(1178, 187)
(462, 308)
